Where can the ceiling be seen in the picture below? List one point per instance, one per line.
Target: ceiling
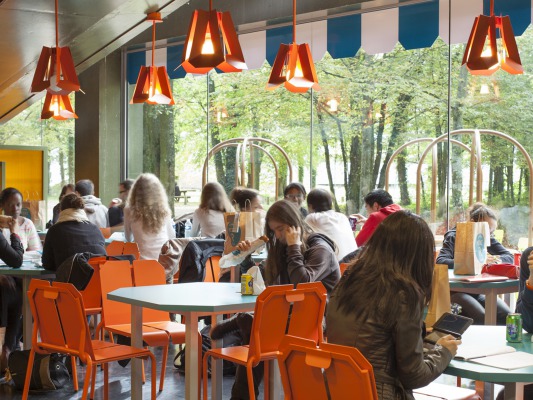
(95, 28)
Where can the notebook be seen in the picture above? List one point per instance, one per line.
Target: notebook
(478, 278)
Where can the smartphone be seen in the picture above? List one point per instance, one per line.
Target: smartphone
(448, 324)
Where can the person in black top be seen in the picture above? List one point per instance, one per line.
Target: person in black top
(73, 233)
(66, 189)
(295, 192)
(116, 212)
(473, 305)
(10, 290)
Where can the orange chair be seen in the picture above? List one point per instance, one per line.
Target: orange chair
(309, 372)
(212, 269)
(106, 232)
(92, 295)
(60, 326)
(343, 267)
(115, 248)
(116, 316)
(132, 248)
(271, 314)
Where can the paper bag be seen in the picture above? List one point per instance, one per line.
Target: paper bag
(241, 226)
(259, 283)
(440, 294)
(34, 209)
(471, 242)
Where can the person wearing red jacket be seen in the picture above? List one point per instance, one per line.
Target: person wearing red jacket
(379, 205)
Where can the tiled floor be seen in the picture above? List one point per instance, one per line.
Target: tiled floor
(119, 384)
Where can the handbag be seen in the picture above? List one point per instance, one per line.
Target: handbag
(76, 270)
(509, 270)
(49, 370)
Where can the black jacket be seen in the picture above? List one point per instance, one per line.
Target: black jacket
(67, 238)
(12, 253)
(448, 248)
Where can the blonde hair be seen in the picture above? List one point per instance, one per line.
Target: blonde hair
(214, 197)
(148, 202)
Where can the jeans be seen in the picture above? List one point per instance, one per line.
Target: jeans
(473, 306)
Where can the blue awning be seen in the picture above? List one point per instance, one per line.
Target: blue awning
(414, 26)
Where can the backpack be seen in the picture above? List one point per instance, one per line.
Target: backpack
(49, 370)
(230, 340)
(195, 256)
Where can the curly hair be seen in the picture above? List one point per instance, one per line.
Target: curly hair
(148, 202)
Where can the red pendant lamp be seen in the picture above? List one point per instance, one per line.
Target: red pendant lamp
(481, 54)
(58, 107)
(212, 42)
(293, 65)
(153, 85)
(55, 72)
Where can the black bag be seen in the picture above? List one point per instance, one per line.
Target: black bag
(195, 256)
(49, 370)
(76, 270)
(230, 340)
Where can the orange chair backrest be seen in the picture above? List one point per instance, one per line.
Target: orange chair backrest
(132, 248)
(272, 310)
(149, 273)
(306, 371)
(115, 275)
(115, 248)
(106, 232)
(343, 267)
(60, 324)
(212, 269)
(92, 295)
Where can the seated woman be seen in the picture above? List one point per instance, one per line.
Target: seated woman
(246, 199)
(147, 216)
(473, 305)
(11, 202)
(208, 218)
(73, 233)
(378, 307)
(296, 254)
(329, 222)
(296, 193)
(10, 291)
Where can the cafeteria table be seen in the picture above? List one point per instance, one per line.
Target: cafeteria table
(191, 300)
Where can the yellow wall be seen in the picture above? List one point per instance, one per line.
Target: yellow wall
(24, 171)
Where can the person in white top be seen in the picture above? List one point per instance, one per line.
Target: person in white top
(147, 217)
(332, 224)
(11, 203)
(208, 218)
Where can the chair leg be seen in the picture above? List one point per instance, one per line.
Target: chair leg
(152, 357)
(29, 370)
(250, 376)
(93, 382)
(88, 377)
(143, 375)
(266, 383)
(200, 375)
(106, 381)
(73, 362)
(163, 368)
(204, 374)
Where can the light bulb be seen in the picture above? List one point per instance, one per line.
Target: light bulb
(207, 47)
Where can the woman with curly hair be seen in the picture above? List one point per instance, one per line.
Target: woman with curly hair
(208, 218)
(147, 217)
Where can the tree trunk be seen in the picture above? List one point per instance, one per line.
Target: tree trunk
(379, 146)
(367, 154)
(402, 179)
(327, 159)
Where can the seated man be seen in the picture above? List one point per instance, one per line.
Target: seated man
(95, 210)
(379, 205)
(116, 212)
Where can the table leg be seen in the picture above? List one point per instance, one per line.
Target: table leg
(514, 391)
(490, 308)
(27, 321)
(191, 356)
(185, 197)
(216, 364)
(136, 363)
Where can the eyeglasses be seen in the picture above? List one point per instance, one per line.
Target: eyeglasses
(123, 191)
(294, 196)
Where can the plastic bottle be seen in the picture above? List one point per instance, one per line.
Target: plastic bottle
(188, 228)
(236, 257)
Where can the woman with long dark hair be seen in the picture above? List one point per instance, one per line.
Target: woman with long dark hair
(378, 307)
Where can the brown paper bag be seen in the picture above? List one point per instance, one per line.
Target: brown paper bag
(440, 294)
(241, 226)
(35, 209)
(471, 242)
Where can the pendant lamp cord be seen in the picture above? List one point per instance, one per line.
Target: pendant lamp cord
(58, 72)
(153, 42)
(294, 21)
(491, 8)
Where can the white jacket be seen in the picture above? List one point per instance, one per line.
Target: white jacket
(335, 226)
(96, 211)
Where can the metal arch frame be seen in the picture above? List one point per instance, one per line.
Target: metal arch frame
(241, 144)
(419, 171)
(476, 152)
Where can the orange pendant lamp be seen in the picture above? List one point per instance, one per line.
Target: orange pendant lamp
(153, 85)
(58, 107)
(481, 54)
(293, 65)
(212, 42)
(55, 72)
